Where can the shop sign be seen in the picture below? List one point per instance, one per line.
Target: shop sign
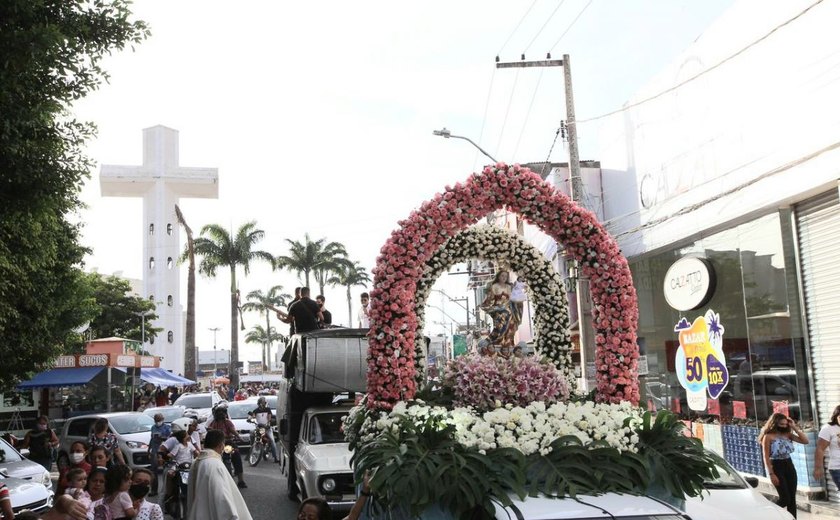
(700, 362)
(126, 360)
(65, 362)
(739, 409)
(689, 283)
(642, 365)
(93, 360)
(148, 361)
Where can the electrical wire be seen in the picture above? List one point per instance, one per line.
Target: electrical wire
(517, 27)
(484, 117)
(543, 26)
(528, 113)
(548, 157)
(704, 72)
(507, 110)
(571, 25)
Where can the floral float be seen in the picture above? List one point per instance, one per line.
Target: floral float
(551, 319)
(495, 428)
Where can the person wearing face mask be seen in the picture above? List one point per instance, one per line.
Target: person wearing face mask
(40, 441)
(160, 432)
(141, 482)
(78, 451)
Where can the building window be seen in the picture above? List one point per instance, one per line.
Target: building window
(151, 229)
(151, 263)
(169, 263)
(170, 336)
(169, 229)
(169, 300)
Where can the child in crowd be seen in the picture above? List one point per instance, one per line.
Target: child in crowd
(117, 499)
(78, 452)
(76, 484)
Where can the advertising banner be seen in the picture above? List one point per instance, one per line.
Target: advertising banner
(700, 362)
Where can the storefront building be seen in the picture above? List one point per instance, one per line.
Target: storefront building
(732, 228)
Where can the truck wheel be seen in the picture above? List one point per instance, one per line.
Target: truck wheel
(291, 482)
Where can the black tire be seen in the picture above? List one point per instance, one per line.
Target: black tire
(291, 482)
(255, 456)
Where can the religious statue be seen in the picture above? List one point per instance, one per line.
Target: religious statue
(506, 315)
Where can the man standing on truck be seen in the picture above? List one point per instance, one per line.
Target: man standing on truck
(327, 321)
(304, 313)
(364, 312)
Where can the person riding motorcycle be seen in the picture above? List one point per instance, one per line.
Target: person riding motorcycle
(262, 416)
(222, 423)
(178, 448)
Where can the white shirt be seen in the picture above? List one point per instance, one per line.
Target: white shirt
(364, 318)
(182, 453)
(832, 435)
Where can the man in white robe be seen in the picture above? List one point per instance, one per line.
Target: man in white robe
(212, 493)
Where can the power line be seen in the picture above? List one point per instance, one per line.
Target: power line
(507, 111)
(517, 27)
(543, 26)
(528, 114)
(484, 117)
(704, 72)
(571, 24)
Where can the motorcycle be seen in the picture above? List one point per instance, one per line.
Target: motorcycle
(260, 444)
(179, 475)
(226, 457)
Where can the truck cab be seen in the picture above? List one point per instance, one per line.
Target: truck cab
(325, 370)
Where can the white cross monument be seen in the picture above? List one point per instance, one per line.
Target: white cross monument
(161, 182)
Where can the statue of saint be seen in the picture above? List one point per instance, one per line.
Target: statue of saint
(505, 313)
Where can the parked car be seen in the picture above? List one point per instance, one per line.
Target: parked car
(133, 430)
(170, 413)
(14, 464)
(733, 497)
(238, 413)
(201, 402)
(27, 495)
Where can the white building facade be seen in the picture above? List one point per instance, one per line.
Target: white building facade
(732, 155)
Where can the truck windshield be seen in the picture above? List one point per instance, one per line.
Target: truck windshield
(325, 428)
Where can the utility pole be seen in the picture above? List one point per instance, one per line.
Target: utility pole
(215, 361)
(575, 190)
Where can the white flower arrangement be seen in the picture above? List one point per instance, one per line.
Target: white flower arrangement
(528, 429)
(551, 318)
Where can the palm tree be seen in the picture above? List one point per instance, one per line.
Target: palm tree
(332, 261)
(257, 301)
(308, 256)
(221, 249)
(189, 340)
(350, 275)
(259, 335)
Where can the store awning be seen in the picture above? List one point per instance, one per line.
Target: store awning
(58, 377)
(159, 376)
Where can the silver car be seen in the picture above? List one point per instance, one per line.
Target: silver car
(133, 431)
(15, 465)
(27, 495)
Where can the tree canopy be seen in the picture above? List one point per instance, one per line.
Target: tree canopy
(50, 53)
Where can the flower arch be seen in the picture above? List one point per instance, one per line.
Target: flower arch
(401, 262)
(551, 318)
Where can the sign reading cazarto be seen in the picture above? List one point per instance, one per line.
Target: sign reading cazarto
(689, 283)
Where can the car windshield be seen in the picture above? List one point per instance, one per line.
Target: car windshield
(133, 423)
(728, 479)
(8, 454)
(169, 414)
(195, 401)
(325, 428)
(240, 410)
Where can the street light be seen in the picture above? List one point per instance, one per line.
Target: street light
(143, 315)
(215, 367)
(446, 134)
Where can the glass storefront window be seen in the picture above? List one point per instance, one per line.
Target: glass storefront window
(764, 352)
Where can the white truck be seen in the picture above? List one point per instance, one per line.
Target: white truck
(325, 370)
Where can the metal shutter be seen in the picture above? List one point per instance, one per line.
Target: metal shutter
(818, 231)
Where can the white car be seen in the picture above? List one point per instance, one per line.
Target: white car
(202, 403)
(15, 465)
(732, 497)
(133, 430)
(27, 495)
(238, 412)
(609, 506)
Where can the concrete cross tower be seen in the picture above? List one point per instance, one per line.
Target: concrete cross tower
(161, 182)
